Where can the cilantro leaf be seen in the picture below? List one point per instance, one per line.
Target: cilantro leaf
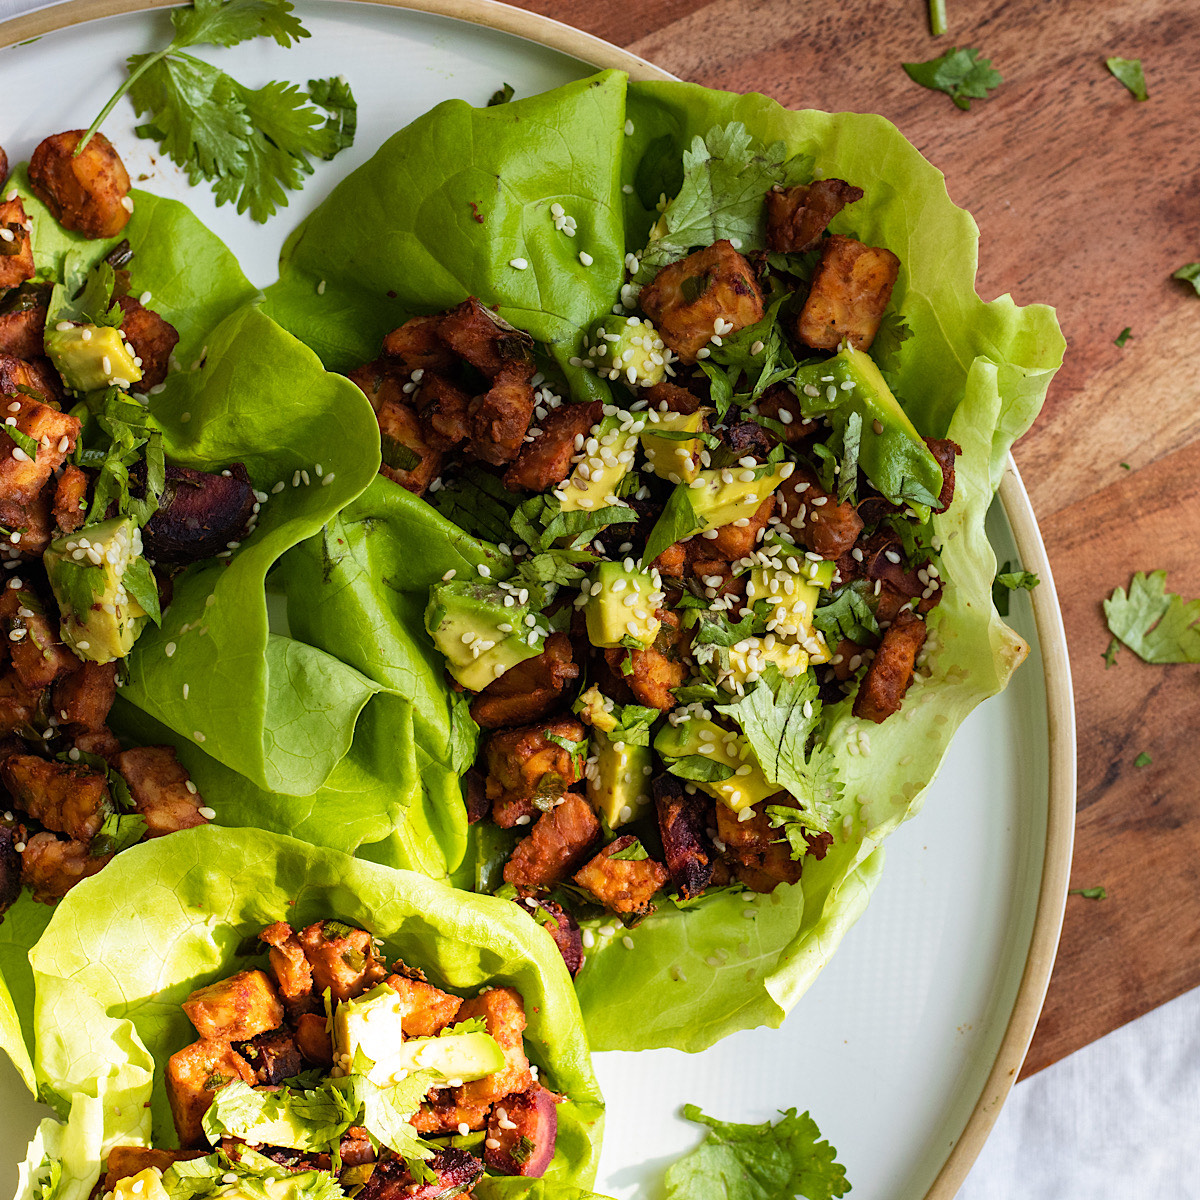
(777, 718)
(676, 521)
(543, 574)
(726, 174)
(699, 768)
(1157, 625)
(1093, 893)
(1110, 655)
(577, 750)
(633, 724)
(847, 615)
(252, 145)
(1007, 581)
(1142, 760)
(502, 95)
(1129, 72)
(228, 22)
(962, 74)
(1189, 273)
(781, 1161)
(851, 441)
(118, 832)
(1122, 337)
(634, 852)
(479, 504)
(889, 340)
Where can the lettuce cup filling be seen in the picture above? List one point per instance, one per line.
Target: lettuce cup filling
(229, 1037)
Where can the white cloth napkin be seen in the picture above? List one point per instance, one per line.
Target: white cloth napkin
(1119, 1118)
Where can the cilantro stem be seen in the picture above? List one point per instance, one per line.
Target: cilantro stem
(937, 17)
(115, 98)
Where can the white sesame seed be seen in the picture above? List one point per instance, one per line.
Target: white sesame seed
(207, 813)
(321, 288)
(586, 258)
(170, 649)
(127, 203)
(198, 735)
(518, 264)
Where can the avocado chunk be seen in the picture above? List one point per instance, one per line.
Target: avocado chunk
(620, 610)
(674, 458)
(596, 709)
(700, 737)
(891, 453)
(458, 1057)
(91, 357)
(371, 1023)
(618, 781)
(608, 457)
(98, 575)
(147, 1184)
(481, 630)
(819, 571)
(627, 348)
(752, 655)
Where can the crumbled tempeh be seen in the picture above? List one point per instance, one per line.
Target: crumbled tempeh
(623, 885)
(558, 845)
(343, 959)
(68, 797)
(526, 763)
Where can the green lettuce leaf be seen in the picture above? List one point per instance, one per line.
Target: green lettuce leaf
(170, 915)
(446, 205)
(971, 371)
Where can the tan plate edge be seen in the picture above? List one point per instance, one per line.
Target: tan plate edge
(1060, 822)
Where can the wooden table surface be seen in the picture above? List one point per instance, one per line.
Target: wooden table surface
(1088, 201)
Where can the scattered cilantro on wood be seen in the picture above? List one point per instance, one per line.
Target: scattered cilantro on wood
(1110, 655)
(937, 17)
(1142, 760)
(1094, 893)
(781, 1161)
(1123, 337)
(1157, 625)
(252, 145)
(1189, 273)
(962, 74)
(1129, 72)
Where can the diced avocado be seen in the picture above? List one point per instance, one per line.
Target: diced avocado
(750, 657)
(819, 571)
(673, 458)
(727, 495)
(371, 1023)
(94, 573)
(91, 357)
(620, 610)
(596, 709)
(699, 736)
(459, 1057)
(627, 348)
(147, 1184)
(298, 1185)
(792, 604)
(618, 782)
(481, 630)
(608, 457)
(891, 453)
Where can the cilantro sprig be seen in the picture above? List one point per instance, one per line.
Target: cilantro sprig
(252, 144)
(1189, 273)
(781, 1161)
(964, 75)
(1157, 625)
(1129, 72)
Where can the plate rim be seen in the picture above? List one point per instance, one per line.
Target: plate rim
(1014, 499)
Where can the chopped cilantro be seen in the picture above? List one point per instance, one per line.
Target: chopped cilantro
(1122, 337)
(937, 17)
(502, 95)
(851, 441)
(1189, 273)
(781, 1161)
(1010, 581)
(251, 144)
(524, 1147)
(847, 615)
(700, 769)
(962, 74)
(1092, 893)
(543, 574)
(1129, 72)
(1142, 760)
(1157, 625)
(577, 750)
(634, 852)
(1110, 655)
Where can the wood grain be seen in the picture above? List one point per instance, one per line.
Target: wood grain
(1086, 200)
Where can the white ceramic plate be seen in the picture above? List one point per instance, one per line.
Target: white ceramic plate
(907, 1044)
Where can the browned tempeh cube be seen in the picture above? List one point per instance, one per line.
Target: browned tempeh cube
(881, 692)
(426, 1010)
(235, 1009)
(342, 959)
(51, 867)
(16, 246)
(85, 696)
(686, 299)
(526, 763)
(87, 192)
(624, 885)
(159, 787)
(503, 1010)
(850, 290)
(289, 964)
(559, 844)
(68, 797)
(194, 1074)
(153, 339)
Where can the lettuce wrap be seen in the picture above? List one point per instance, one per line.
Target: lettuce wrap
(124, 949)
(275, 716)
(972, 371)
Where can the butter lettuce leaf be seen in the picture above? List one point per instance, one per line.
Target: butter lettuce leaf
(126, 947)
